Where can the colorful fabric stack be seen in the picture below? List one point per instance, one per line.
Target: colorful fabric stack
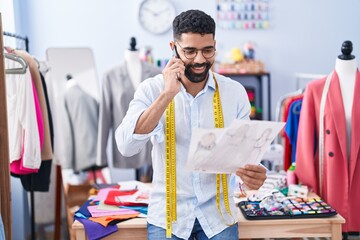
(111, 205)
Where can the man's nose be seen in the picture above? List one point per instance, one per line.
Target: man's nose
(199, 58)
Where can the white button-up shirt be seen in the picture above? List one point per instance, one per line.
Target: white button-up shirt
(195, 191)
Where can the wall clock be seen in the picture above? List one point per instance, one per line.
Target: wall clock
(156, 16)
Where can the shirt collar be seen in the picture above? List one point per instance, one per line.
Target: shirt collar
(210, 82)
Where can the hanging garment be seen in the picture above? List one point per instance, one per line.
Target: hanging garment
(17, 167)
(292, 126)
(46, 152)
(81, 130)
(341, 175)
(287, 144)
(55, 89)
(40, 181)
(24, 139)
(117, 92)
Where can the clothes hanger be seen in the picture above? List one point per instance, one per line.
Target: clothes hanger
(19, 70)
(281, 101)
(279, 106)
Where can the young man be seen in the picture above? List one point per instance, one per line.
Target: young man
(188, 81)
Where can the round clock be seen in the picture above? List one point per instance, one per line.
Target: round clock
(156, 16)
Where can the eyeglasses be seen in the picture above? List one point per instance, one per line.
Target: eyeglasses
(191, 53)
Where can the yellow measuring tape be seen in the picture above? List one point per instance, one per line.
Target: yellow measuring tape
(170, 165)
(219, 123)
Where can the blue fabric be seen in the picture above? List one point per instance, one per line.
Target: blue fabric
(196, 192)
(292, 126)
(83, 210)
(197, 233)
(141, 209)
(94, 230)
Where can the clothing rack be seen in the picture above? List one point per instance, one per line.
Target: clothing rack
(23, 43)
(5, 196)
(21, 39)
(303, 78)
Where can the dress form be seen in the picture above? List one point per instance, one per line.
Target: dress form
(70, 81)
(133, 63)
(346, 68)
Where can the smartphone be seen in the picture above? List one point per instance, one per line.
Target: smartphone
(175, 53)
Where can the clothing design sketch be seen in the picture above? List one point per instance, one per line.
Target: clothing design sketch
(226, 150)
(259, 145)
(231, 147)
(203, 150)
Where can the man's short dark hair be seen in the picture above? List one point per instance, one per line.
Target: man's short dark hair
(193, 21)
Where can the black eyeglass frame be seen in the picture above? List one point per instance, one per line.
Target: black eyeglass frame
(196, 50)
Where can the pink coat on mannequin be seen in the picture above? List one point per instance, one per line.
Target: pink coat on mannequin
(341, 176)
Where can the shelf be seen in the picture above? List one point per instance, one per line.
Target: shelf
(262, 88)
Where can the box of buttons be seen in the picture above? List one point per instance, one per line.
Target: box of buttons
(288, 208)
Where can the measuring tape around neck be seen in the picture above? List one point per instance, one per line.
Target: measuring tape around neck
(321, 131)
(170, 165)
(219, 123)
(170, 168)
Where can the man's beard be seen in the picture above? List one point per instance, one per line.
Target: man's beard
(197, 77)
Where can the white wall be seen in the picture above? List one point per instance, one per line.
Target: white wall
(305, 36)
(7, 15)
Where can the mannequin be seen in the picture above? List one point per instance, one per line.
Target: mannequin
(346, 68)
(133, 63)
(331, 168)
(69, 81)
(118, 88)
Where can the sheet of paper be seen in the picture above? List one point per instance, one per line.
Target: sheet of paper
(133, 184)
(223, 150)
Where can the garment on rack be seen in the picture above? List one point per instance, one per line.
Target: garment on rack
(292, 126)
(117, 92)
(41, 180)
(283, 116)
(56, 102)
(81, 130)
(341, 176)
(46, 152)
(24, 139)
(18, 167)
(51, 125)
(38, 178)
